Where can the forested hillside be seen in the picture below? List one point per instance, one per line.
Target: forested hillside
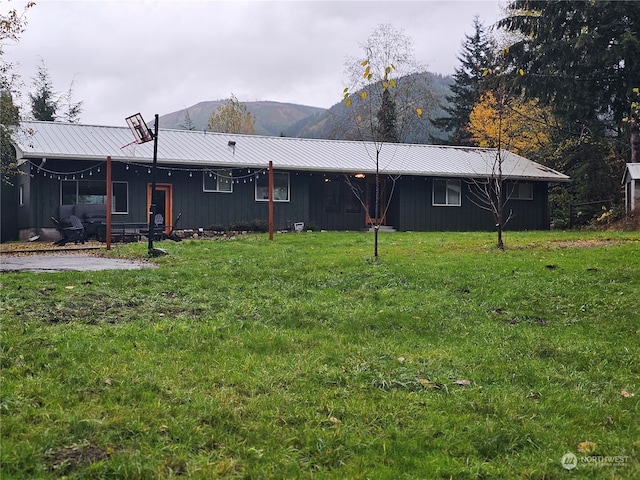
(292, 120)
(272, 118)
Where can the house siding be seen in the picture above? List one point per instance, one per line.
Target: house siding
(410, 206)
(8, 203)
(338, 216)
(418, 213)
(199, 209)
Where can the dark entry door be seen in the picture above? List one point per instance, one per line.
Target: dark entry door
(164, 205)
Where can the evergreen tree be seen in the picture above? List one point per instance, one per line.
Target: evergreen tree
(43, 102)
(583, 60)
(188, 123)
(387, 124)
(477, 57)
(9, 119)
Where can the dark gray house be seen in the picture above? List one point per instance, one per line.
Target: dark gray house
(215, 179)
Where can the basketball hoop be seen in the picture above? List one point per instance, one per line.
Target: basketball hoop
(139, 128)
(142, 134)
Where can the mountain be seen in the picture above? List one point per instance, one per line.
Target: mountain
(272, 118)
(301, 121)
(335, 124)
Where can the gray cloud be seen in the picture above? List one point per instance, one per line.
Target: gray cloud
(161, 56)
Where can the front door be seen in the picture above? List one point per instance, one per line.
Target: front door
(376, 216)
(163, 203)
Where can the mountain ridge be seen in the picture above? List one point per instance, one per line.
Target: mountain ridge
(303, 121)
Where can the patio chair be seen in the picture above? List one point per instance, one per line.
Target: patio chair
(71, 230)
(158, 227)
(171, 235)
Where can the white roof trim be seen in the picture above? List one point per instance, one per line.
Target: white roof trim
(631, 173)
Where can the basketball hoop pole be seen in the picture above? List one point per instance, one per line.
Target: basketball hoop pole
(152, 206)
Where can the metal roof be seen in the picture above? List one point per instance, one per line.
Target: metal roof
(632, 172)
(187, 148)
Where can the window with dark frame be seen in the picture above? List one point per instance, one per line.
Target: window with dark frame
(119, 197)
(217, 181)
(280, 187)
(332, 196)
(447, 192)
(522, 191)
(94, 192)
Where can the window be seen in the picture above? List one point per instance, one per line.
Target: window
(217, 181)
(83, 192)
(522, 191)
(331, 196)
(280, 187)
(21, 195)
(447, 192)
(119, 197)
(94, 192)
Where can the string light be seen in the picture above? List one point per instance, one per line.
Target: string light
(231, 175)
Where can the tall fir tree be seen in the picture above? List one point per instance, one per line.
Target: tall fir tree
(477, 57)
(387, 128)
(44, 104)
(582, 59)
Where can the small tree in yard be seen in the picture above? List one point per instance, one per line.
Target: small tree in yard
(384, 96)
(489, 193)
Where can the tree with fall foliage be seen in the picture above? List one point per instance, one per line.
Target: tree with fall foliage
(232, 117)
(522, 126)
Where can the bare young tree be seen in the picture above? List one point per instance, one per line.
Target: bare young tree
(384, 97)
(71, 110)
(491, 193)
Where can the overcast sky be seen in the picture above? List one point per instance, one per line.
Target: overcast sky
(152, 57)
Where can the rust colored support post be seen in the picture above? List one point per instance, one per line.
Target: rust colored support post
(270, 200)
(109, 201)
(152, 206)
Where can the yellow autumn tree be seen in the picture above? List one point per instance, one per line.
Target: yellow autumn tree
(232, 117)
(520, 127)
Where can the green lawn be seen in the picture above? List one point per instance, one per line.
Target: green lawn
(305, 358)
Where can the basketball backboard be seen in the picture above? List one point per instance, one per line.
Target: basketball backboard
(139, 128)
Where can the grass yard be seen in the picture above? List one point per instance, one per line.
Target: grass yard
(305, 358)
